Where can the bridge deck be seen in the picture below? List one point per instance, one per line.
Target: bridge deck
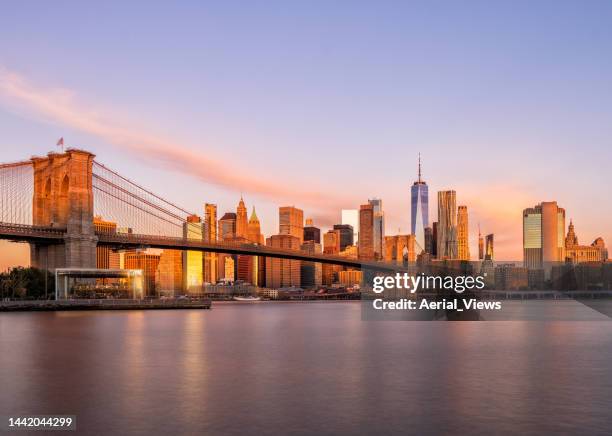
(26, 233)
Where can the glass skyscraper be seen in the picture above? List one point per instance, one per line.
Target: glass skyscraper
(379, 228)
(419, 210)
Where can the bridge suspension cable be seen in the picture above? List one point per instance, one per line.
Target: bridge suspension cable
(134, 208)
(16, 192)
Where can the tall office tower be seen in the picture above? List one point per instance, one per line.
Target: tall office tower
(147, 262)
(241, 220)
(419, 210)
(489, 252)
(227, 226)
(346, 235)
(543, 235)
(331, 242)
(379, 228)
(447, 225)
(283, 272)
(211, 270)
(429, 240)
(311, 272)
(463, 243)
(366, 232)
(351, 217)
(254, 229)
(312, 233)
(291, 222)
(193, 277)
(106, 257)
(480, 245)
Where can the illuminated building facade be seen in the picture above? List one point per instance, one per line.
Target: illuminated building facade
(463, 245)
(489, 253)
(291, 222)
(576, 253)
(241, 220)
(366, 232)
(350, 277)
(447, 225)
(211, 266)
(148, 263)
(193, 261)
(170, 273)
(543, 235)
(106, 257)
(283, 272)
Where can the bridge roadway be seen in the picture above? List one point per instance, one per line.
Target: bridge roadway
(50, 235)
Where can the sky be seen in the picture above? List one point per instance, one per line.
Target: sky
(323, 105)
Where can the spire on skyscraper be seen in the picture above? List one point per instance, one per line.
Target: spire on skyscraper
(419, 167)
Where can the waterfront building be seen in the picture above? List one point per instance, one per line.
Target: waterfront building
(543, 235)
(366, 232)
(378, 223)
(148, 263)
(211, 267)
(463, 243)
(419, 210)
(346, 235)
(312, 233)
(447, 225)
(283, 272)
(351, 217)
(193, 261)
(291, 222)
(576, 253)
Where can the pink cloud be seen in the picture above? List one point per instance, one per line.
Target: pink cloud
(61, 106)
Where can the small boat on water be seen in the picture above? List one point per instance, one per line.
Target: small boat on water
(249, 298)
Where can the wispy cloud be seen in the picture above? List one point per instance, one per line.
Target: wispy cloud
(62, 106)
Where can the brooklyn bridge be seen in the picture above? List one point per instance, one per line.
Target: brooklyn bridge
(50, 202)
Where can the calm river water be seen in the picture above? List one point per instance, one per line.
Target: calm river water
(304, 368)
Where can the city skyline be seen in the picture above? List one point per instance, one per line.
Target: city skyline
(476, 123)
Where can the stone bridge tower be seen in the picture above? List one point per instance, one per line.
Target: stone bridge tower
(63, 198)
